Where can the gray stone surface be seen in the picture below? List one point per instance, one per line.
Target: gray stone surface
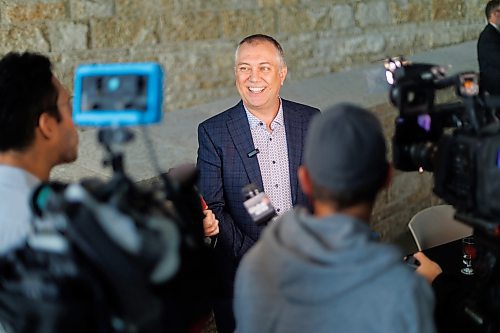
(175, 139)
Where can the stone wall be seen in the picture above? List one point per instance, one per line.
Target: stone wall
(195, 39)
(195, 42)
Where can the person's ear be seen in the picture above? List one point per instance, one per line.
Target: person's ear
(283, 72)
(47, 125)
(305, 180)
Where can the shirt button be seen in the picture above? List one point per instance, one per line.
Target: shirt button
(278, 210)
(261, 123)
(274, 162)
(270, 139)
(276, 185)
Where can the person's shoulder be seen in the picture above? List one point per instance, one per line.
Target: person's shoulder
(222, 117)
(489, 32)
(303, 108)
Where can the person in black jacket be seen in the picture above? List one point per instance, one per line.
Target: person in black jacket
(488, 50)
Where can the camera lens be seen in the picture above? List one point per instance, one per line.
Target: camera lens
(113, 84)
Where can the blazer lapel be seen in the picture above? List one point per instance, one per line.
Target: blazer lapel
(294, 133)
(239, 130)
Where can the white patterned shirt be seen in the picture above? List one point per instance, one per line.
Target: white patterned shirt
(273, 159)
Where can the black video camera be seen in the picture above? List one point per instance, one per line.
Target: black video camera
(458, 141)
(111, 256)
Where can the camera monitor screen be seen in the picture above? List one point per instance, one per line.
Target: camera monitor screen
(118, 94)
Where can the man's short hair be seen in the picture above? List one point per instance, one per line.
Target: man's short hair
(345, 155)
(263, 38)
(490, 7)
(26, 91)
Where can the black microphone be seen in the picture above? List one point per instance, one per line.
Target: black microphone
(258, 205)
(253, 153)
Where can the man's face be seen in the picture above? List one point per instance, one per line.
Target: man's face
(67, 138)
(259, 76)
(495, 16)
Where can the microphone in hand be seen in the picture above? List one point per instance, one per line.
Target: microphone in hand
(258, 205)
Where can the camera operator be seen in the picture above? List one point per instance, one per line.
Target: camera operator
(324, 271)
(36, 134)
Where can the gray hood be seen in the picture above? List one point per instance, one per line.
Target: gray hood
(330, 249)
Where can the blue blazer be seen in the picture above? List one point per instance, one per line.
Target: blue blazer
(224, 142)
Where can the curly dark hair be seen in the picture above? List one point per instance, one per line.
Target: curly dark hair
(26, 91)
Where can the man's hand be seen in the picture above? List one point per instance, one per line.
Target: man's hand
(210, 223)
(428, 268)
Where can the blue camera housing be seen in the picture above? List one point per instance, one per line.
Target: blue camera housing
(118, 94)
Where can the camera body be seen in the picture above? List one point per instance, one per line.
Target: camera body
(459, 142)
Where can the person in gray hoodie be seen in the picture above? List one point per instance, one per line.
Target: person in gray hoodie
(325, 271)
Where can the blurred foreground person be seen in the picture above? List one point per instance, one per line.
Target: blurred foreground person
(325, 272)
(36, 134)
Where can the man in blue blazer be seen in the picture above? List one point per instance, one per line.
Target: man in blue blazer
(259, 141)
(488, 50)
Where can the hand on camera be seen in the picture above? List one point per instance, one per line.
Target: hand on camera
(210, 223)
(427, 268)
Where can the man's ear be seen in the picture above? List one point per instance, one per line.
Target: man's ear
(47, 125)
(305, 180)
(283, 72)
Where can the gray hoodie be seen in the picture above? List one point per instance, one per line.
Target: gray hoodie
(312, 275)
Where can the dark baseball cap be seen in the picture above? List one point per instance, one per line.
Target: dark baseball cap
(345, 150)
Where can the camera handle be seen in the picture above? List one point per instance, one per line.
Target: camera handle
(110, 137)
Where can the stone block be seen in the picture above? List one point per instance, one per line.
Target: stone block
(84, 9)
(401, 42)
(293, 19)
(23, 37)
(404, 11)
(439, 34)
(66, 63)
(132, 8)
(373, 13)
(119, 32)
(19, 12)
(273, 3)
(190, 26)
(474, 10)
(472, 31)
(448, 10)
(241, 23)
(67, 36)
(342, 17)
(363, 44)
(196, 5)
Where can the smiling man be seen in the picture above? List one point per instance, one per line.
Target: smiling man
(257, 141)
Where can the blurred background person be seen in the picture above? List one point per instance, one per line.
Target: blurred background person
(488, 50)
